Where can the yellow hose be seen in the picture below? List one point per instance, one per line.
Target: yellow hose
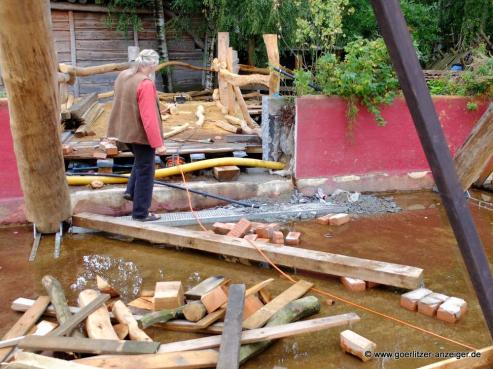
(167, 172)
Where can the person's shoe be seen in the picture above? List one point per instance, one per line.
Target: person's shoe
(149, 218)
(127, 196)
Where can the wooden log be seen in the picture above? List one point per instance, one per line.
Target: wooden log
(333, 264)
(267, 333)
(58, 300)
(106, 95)
(71, 323)
(229, 349)
(265, 313)
(227, 127)
(160, 317)
(98, 324)
(252, 69)
(28, 360)
(173, 360)
(222, 52)
(292, 312)
(199, 113)
(27, 57)
(244, 108)
(97, 69)
(482, 359)
(87, 345)
(273, 55)
(474, 154)
(243, 79)
(123, 314)
(194, 311)
(177, 130)
(24, 324)
(204, 287)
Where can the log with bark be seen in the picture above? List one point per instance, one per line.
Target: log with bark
(292, 312)
(161, 316)
(194, 311)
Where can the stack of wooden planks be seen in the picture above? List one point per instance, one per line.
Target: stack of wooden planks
(115, 335)
(82, 114)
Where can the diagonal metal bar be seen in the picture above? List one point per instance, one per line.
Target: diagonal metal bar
(395, 32)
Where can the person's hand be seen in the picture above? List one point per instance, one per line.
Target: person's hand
(161, 150)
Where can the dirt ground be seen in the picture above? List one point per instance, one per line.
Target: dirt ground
(418, 236)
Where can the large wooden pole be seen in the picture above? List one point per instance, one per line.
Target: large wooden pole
(27, 57)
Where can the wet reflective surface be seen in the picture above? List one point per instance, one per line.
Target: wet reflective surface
(419, 236)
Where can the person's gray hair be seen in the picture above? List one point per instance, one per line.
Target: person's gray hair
(146, 58)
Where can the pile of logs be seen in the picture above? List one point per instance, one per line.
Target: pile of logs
(104, 325)
(82, 114)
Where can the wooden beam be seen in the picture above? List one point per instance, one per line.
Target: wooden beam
(229, 350)
(28, 360)
(207, 285)
(98, 324)
(28, 59)
(474, 154)
(24, 324)
(488, 169)
(266, 333)
(273, 55)
(222, 54)
(72, 322)
(231, 93)
(485, 359)
(332, 264)
(123, 314)
(87, 345)
(91, 8)
(73, 49)
(261, 316)
(174, 360)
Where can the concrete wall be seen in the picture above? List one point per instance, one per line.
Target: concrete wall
(364, 156)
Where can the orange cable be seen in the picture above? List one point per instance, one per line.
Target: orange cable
(325, 293)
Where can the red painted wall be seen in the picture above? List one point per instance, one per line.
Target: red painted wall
(326, 147)
(9, 178)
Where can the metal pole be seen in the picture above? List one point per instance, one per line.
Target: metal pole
(395, 32)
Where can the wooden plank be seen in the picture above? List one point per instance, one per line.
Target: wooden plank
(67, 326)
(175, 360)
(229, 349)
(473, 156)
(266, 333)
(261, 317)
(483, 361)
(87, 345)
(321, 262)
(25, 323)
(207, 285)
(98, 324)
(28, 360)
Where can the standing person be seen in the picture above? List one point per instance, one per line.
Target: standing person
(135, 120)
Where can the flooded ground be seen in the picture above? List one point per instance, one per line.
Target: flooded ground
(419, 236)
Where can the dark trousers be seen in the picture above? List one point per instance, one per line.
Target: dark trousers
(141, 182)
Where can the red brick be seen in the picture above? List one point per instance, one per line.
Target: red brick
(339, 219)
(67, 149)
(222, 228)
(354, 284)
(325, 220)
(267, 231)
(278, 238)
(226, 173)
(240, 228)
(251, 237)
(357, 345)
(293, 238)
(410, 300)
(452, 310)
(99, 155)
(429, 305)
(109, 148)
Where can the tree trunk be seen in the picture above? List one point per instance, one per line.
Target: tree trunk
(163, 45)
(29, 69)
(292, 312)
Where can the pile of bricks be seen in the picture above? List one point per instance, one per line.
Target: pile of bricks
(429, 303)
(260, 232)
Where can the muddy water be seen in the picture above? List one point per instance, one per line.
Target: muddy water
(419, 237)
